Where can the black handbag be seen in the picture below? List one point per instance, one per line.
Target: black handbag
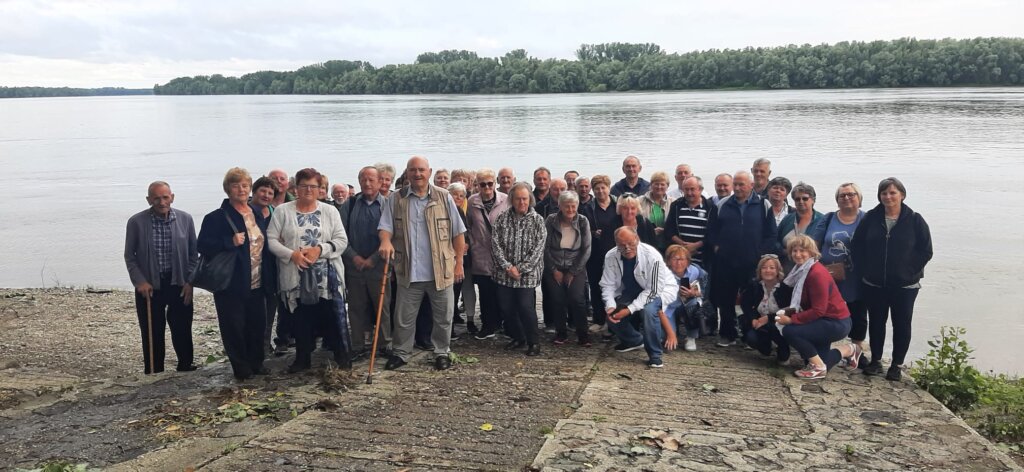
(214, 274)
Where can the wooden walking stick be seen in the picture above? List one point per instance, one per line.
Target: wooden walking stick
(376, 326)
(149, 324)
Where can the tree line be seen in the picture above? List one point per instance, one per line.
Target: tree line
(25, 92)
(904, 62)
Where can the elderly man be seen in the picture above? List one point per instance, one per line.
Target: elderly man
(570, 180)
(723, 187)
(742, 232)
(761, 170)
(506, 178)
(160, 253)
(683, 172)
(280, 178)
(339, 193)
(420, 226)
(364, 268)
(637, 283)
(484, 208)
(555, 189)
(688, 217)
(632, 182)
(583, 190)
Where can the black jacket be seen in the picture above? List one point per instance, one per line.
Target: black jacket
(891, 258)
(216, 236)
(751, 296)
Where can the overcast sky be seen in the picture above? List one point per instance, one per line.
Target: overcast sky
(141, 43)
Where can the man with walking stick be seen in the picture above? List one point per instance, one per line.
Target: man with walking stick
(160, 253)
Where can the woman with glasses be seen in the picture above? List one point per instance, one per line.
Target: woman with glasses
(817, 315)
(833, 233)
(307, 237)
(804, 218)
(602, 214)
(484, 208)
(565, 260)
(759, 301)
(692, 310)
(241, 308)
(890, 249)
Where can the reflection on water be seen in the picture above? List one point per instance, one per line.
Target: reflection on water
(76, 168)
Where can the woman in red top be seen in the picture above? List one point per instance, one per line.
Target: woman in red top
(817, 315)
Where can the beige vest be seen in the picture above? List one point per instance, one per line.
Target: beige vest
(439, 229)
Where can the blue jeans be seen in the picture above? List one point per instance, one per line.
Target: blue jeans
(816, 338)
(652, 335)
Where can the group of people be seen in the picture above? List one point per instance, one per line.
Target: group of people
(658, 263)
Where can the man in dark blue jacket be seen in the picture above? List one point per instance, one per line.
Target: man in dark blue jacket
(742, 231)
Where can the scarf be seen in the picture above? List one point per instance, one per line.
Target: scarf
(796, 280)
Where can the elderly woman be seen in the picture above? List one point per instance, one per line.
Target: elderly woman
(764, 297)
(890, 249)
(484, 208)
(803, 220)
(817, 315)
(654, 206)
(628, 206)
(264, 191)
(565, 262)
(458, 192)
(242, 307)
(692, 310)
(778, 188)
(308, 238)
(518, 251)
(833, 234)
(601, 213)
(442, 178)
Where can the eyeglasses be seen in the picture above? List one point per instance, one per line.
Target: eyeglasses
(485, 184)
(847, 196)
(770, 256)
(677, 259)
(801, 199)
(308, 188)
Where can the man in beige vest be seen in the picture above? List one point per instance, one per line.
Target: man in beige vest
(421, 231)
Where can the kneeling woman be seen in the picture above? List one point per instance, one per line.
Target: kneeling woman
(693, 309)
(817, 315)
(764, 297)
(307, 238)
(241, 308)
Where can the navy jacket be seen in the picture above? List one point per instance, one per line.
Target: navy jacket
(891, 259)
(216, 236)
(742, 240)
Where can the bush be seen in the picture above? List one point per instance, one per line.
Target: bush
(1001, 411)
(946, 373)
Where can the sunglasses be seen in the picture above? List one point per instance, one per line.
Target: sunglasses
(485, 184)
(801, 199)
(847, 196)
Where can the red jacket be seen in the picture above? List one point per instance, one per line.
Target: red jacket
(820, 298)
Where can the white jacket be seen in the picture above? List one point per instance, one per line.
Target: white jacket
(651, 273)
(284, 237)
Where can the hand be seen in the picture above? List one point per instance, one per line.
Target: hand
(597, 233)
(299, 259)
(514, 273)
(460, 272)
(686, 292)
(671, 341)
(145, 289)
(186, 294)
(658, 231)
(783, 320)
(386, 250)
(609, 315)
(312, 253)
(559, 277)
(568, 279)
(759, 322)
(362, 263)
(238, 239)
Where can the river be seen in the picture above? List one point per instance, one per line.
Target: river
(74, 169)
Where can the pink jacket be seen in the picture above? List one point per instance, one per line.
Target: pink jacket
(479, 231)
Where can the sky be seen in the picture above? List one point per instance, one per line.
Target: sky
(137, 44)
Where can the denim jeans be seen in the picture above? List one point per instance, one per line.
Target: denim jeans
(816, 338)
(650, 333)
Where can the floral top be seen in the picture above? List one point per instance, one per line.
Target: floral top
(309, 229)
(256, 243)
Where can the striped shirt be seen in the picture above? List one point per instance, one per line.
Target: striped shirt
(689, 224)
(162, 241)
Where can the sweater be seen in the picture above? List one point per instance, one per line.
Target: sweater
(820, 297)
(891, 258)
(283, 237)
(518, 240)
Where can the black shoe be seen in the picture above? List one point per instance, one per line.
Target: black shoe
(455, 337)
(394, 362)
(514, 344)
(471, 327)
(242, 377)
(874, 368)
(187, 368)
(442, 363)
(261, 371)
(360, 355)
(280, 350)
(458, 319)
(425, 347)
(343, 360)
(385, 351)
(533, 350)
(297, 367)
(894, 373)
(485, 334)
(623, 347)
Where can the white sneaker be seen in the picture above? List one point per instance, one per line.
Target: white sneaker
(723, 342)
(690, 345)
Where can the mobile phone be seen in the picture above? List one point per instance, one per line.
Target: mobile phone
(684, 282)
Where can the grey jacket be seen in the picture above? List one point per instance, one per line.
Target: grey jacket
(573, 260)
(140, 257)
(479, 229)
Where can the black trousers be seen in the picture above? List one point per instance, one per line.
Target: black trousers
(594, 272)
(727, 281)
(268, 331)
(568, 299)
(168, 308)
(490, 310)
(319, 318)
(859, 317)
(881, 302)
(285, 319)
(242, 321)
(519, 306)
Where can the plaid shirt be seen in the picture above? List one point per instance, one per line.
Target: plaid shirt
(162, 241)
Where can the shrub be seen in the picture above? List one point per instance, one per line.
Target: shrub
(946, 373)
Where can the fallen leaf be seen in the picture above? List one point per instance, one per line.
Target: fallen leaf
(486, 427)
(706, 422)
(669, 443)
(172, 427)
(880, 423)
(710, 388)
(625, 376)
